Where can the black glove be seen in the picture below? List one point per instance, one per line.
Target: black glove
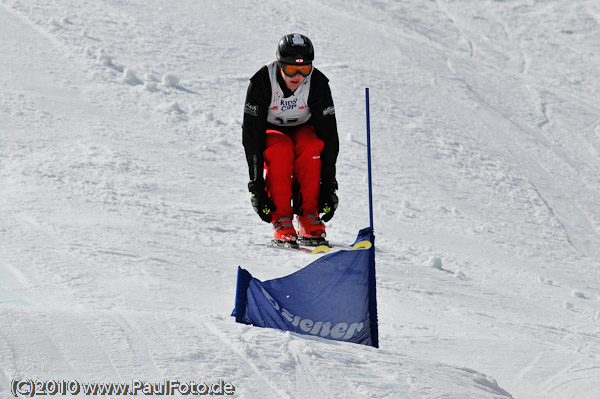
(260, 201)
(328, 200)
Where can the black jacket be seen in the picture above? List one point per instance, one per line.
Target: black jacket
(255, 124)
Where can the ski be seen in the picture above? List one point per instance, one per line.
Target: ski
(312, 242)
(295, 246)
(315, 246)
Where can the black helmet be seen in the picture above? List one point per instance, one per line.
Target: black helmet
(295, 49)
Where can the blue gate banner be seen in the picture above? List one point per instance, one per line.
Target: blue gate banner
(334, 297)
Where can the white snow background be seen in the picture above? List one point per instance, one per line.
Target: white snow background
(124, 212)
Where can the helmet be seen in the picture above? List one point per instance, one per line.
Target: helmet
(295, 49)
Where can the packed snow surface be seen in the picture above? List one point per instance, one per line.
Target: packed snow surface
(124, 212)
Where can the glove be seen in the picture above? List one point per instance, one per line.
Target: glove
(328, 200)
(260, 201)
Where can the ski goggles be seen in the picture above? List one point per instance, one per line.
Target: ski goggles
(293, 70)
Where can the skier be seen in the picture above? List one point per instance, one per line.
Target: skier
(291, 142)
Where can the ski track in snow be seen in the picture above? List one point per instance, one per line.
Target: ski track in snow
(124, 212)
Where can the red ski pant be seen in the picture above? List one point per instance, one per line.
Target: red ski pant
(290, 159)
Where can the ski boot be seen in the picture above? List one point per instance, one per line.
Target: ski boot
(284, 231)
(311, 230)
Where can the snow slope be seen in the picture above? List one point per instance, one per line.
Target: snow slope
(124, 212)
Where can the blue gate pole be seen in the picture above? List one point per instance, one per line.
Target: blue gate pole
(372, 279)
(369, 158)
